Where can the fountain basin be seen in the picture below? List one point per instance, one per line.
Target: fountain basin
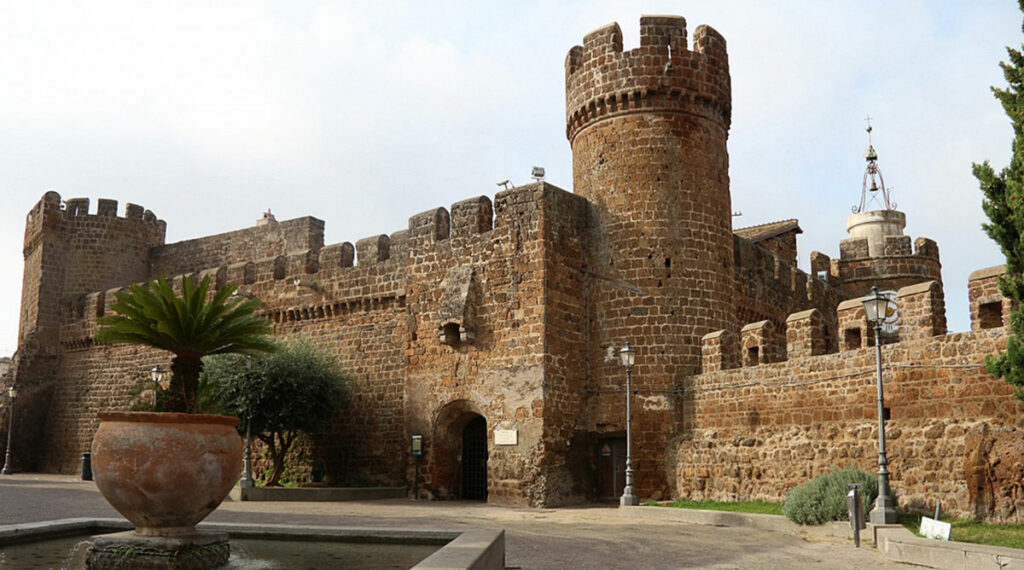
(477, 549)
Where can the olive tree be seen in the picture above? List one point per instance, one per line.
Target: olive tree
(294, 390)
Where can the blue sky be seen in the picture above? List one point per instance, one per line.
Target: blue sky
(210, 113)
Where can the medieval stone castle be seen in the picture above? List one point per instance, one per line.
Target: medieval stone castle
(487, 327)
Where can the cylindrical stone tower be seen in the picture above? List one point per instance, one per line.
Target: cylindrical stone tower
(648, 129)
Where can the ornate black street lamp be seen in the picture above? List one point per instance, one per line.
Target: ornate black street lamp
(628, 357)
(12, 393)
(880, 309)
(247, 480)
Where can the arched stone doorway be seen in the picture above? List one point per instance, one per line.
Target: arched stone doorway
(460, 452)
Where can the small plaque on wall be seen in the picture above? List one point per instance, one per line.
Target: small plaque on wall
(506, 437)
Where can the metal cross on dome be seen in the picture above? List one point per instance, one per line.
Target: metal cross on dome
(877, 192)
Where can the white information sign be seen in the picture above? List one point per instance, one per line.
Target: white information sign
(506, 437)
(932, 528)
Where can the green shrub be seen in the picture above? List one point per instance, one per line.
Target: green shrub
(824, 498)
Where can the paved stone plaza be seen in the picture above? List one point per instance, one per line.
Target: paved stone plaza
(565, 538)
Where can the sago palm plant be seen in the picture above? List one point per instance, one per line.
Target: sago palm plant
(190, 326)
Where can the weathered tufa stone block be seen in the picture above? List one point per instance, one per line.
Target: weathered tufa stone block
(606, 39)
(896, 245)
(337, 255)
(304, 262)
(105, 207)
(373, 250)
(925, 247)
(805, 334)
(399, 245)
(473, 216)
(853, 248)
(851, 324)
(821, 266)
(756, 341)
(922, 311)
(663, 31)
(77, 206)
(134, 211)
(433, 225)
(989, 309)
(720, 351)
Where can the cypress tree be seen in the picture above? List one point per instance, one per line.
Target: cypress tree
(1004, 206)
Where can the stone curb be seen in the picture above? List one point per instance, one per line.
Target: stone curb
(900, 545)
(894, 542)
(30, 532)
(316, 494)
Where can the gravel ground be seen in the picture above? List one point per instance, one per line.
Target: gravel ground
(562, 539)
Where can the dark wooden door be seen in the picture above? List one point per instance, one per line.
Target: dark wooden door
(474, 460)
(611, 468)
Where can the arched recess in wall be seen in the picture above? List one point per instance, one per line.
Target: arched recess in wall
(280, 267)
(249, 273)
(459, 450)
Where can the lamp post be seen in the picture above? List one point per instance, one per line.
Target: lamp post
(156, 374)
(247, 480)
(12, 393)
(877, 309)
(627, 354)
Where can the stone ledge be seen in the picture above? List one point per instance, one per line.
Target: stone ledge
(900, 545)
(316, 494)
(469, 549)
(31, 532)
(986, 272)
(477, 549)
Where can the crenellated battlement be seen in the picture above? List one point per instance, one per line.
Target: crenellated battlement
(662, 74)
(922, 316)
(893, 246)
(78, 208)
(334, 270)
(891, 265)
(63, 219)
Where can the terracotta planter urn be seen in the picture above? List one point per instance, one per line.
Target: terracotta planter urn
(165, 472)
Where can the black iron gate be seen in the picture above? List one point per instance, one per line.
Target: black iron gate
(474, 460)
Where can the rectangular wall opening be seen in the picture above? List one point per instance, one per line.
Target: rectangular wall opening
(753, 356)
(990, 315)
(851, 339)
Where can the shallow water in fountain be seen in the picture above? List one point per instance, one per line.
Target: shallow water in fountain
(246, 554)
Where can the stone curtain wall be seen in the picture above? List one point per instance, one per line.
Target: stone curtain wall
(955, 431)
(383, 306)
(768, 287)
(264, 241)
(91, 379)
